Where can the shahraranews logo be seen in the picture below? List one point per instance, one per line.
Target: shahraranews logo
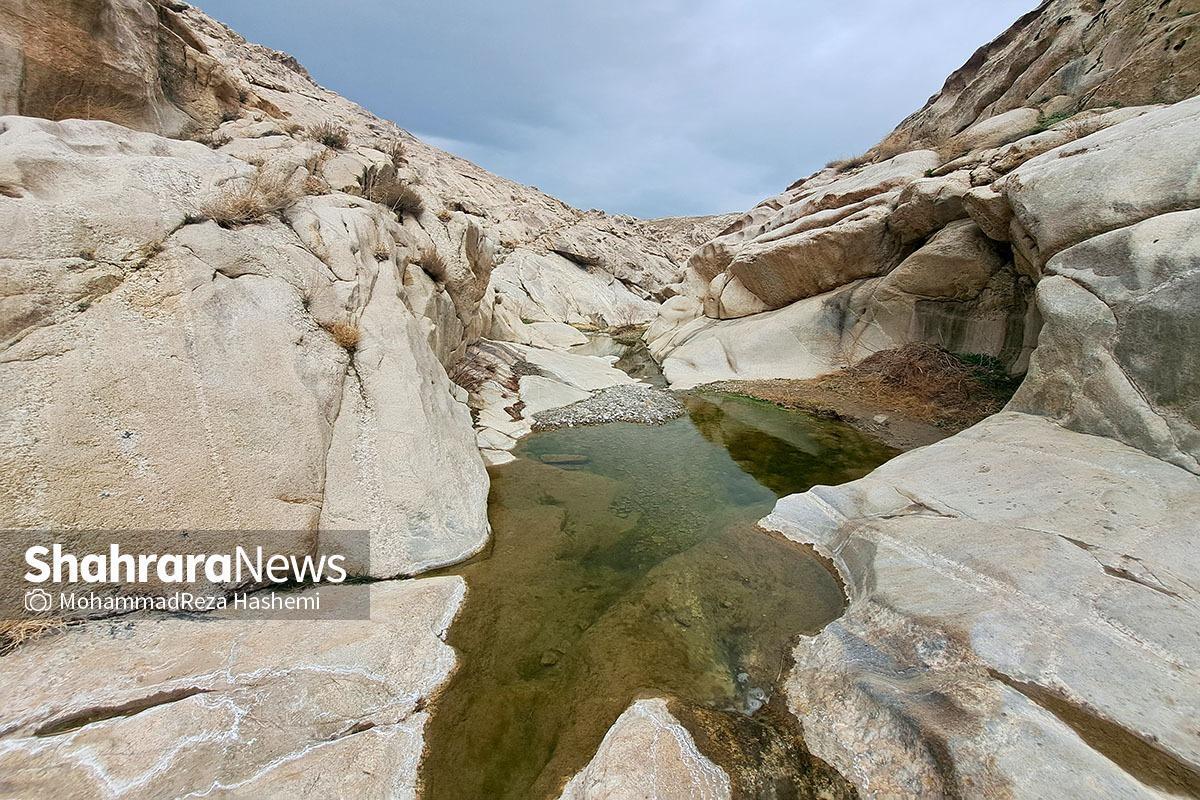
(75, 574)
(240, 566)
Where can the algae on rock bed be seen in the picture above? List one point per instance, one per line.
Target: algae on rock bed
(634, 568)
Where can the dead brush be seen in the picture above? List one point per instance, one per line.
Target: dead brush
(432, 262)
(380, 184)
(247, 202)
(928, 380)
(16, 632)
(330, 134)
(345, 335)
(843, 164)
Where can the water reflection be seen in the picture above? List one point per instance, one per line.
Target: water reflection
(626, 563)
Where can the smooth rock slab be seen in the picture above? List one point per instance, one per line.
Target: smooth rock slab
(1021, 624)
(222, 706)
(648, 755)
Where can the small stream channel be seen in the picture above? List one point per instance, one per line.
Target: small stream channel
(626, 563)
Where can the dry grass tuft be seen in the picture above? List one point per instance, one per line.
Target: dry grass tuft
(396, 152)
(16, 632)
(330, 134)
(345, 335)
(382, 185)
(432, 262)
(843, 164)
(625, 318)
(247, 202)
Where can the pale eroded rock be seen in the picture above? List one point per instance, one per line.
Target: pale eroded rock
(648, 755)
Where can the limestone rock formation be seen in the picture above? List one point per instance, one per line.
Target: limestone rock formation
(168, 372)
(1019, 624)
(230, 707)
(648, 754)
(1115, 353)
(125, 61)
(1021, 593)
(1064, 56)
(229, 301)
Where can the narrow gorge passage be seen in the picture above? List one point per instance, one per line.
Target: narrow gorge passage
(626, 563)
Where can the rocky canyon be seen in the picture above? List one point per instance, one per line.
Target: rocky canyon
(234, 301)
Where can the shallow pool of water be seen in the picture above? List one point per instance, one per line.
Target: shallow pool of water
(626, 563)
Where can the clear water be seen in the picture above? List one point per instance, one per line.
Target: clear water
(626, 563)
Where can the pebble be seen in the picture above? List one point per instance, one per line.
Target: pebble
(628, 403)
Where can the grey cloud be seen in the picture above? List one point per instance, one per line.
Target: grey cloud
(650, 107)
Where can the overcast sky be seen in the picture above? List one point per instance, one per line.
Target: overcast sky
(647, 107)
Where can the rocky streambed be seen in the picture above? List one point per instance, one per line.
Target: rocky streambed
(626, 564)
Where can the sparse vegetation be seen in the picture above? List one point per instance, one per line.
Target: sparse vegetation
(445, 215)
(247, 202)
(432, 262)
(330, 134)
(345, 335)
(931, 383)
(16, 632)
(381, 184)
(396, 152)
(625, 317)
(843, 164)
(1045, 123)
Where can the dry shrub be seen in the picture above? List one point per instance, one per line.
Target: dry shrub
(16, 632)
(246, 202)
(929, 381)
(396, 152)
(625, 317)
(314, 186)
(345, 335)
(93, 101)
(432, 262)
(330, 134)
(381, 184)
(445, 215)
(843, 164)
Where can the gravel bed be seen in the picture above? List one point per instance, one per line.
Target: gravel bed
(629, 403)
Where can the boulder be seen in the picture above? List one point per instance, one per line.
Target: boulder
(1117, 351)
(228, 705)
(990, 211)
(955, 264)
(647, 753)
(802, 340)
(995, 131)
(783, 271)
(1119, 176)
(928, 204)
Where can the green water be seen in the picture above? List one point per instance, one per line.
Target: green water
(625, 563)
